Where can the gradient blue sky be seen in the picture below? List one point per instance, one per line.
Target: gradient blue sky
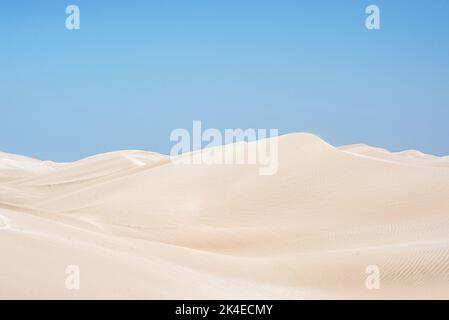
(138, 69)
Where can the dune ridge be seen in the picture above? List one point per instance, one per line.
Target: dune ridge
(140, 226)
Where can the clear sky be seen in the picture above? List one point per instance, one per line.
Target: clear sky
(136, 70)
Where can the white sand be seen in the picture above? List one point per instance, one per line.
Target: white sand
(139, 226)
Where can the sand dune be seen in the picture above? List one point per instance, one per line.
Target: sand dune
(140, 226)
(408, 156)
(14, 167)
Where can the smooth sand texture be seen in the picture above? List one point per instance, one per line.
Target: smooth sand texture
(140, 226)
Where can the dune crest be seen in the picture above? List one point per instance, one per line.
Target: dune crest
(413, 157)
(141, 226)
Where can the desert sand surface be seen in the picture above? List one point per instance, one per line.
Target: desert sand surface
(140, 226)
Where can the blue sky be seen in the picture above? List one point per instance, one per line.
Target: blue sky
(136, 70)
